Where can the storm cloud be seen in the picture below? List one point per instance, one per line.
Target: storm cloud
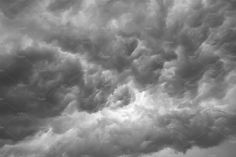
(115, 78)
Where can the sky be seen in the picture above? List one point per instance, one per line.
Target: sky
(117, 78)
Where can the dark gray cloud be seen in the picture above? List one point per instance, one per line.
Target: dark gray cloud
(32, 84)
(114, 78)
(13, 8)
(61, 5)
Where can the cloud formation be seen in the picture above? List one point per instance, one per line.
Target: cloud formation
(116, 78)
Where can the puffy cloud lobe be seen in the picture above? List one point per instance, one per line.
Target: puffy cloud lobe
(113, 78)
(130, 130)
(31, 88)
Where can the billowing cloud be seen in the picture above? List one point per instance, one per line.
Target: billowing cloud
(116, 78)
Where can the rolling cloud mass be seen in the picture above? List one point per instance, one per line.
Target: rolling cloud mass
(116, 78)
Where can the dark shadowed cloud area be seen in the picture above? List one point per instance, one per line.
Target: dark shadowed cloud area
(117, 78)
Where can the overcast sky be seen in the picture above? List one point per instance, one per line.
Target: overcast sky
(117, 78)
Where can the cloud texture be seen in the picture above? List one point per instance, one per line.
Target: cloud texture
(114, 78)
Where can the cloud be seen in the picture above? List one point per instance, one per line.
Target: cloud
(115, 78)
(11, 9)
(30, 88)
(58, 5)
(135, 128)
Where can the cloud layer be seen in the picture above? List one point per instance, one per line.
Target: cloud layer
(116, 78)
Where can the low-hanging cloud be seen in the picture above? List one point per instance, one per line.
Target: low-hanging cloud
(116, 78)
